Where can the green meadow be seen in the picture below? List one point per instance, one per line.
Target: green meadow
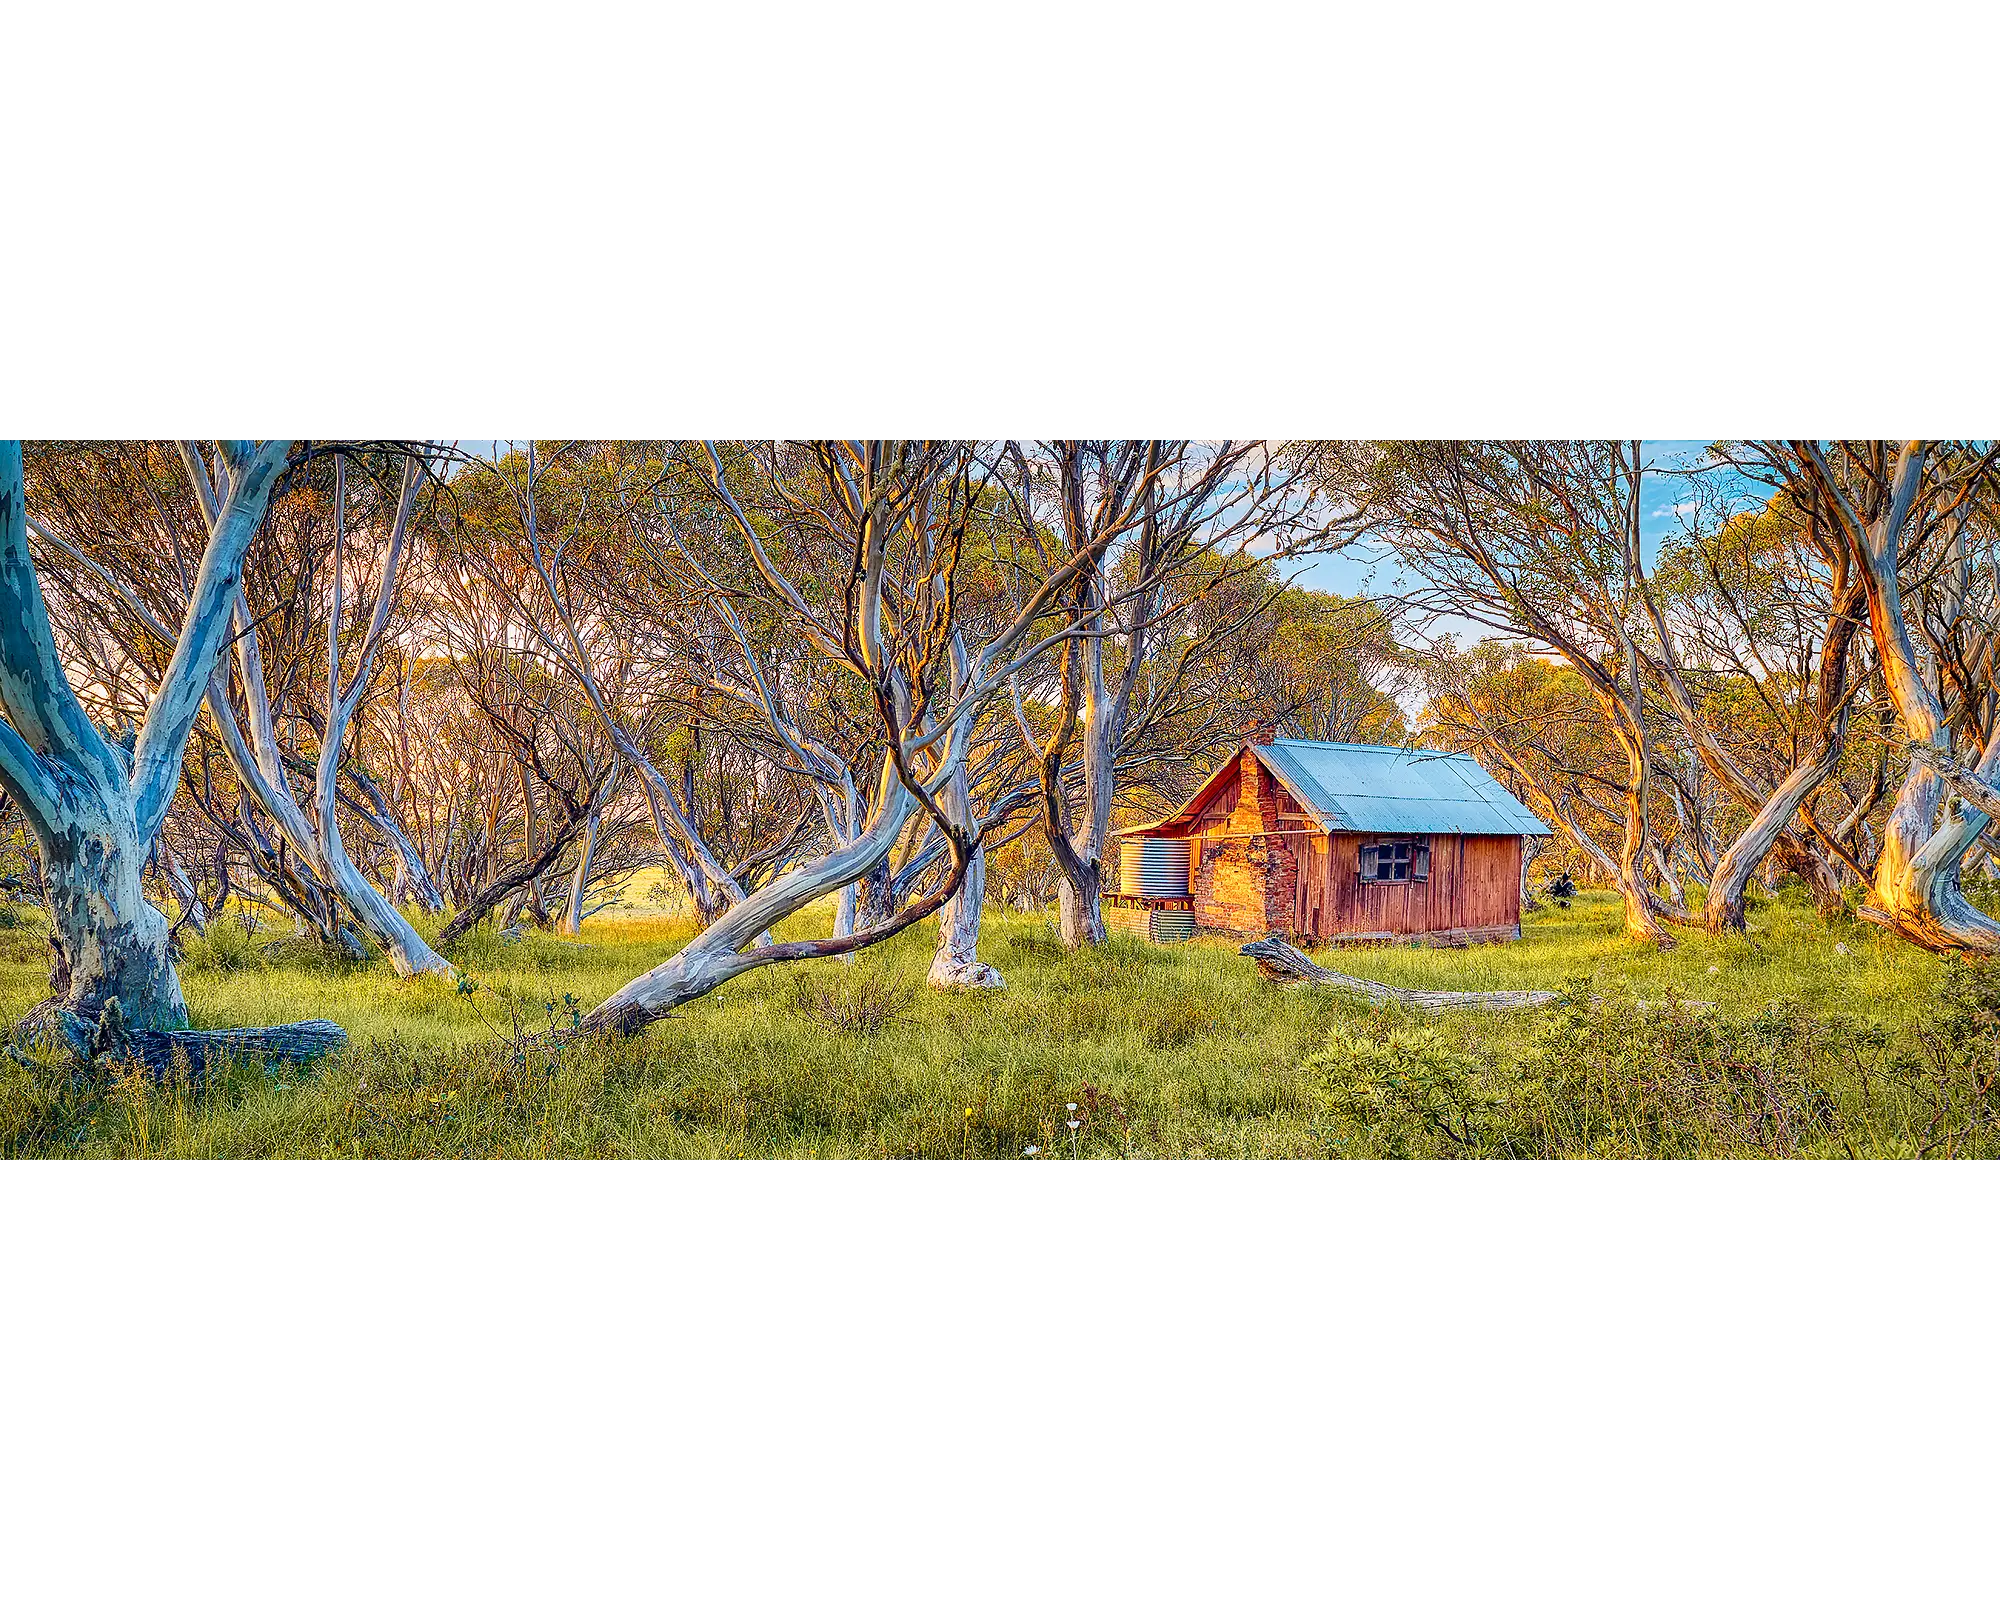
(1800, 1040)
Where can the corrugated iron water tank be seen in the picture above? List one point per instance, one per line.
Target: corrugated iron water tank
(1171, 923)
(1154, 869)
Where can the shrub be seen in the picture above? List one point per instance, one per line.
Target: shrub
(1950, 1063)
(1407, 1091)
(1610, 1076)
(859, 1003)
(1614, 1077)
(1035, 939)
(1791, 890)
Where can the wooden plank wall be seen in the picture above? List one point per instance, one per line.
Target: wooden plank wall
(1309, 887)
(1475, 884)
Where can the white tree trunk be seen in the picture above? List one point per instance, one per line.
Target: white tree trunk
(1917, 889)
(94, 822)
(113, 940)
(1724, 907)
(579, 883)
(717, 953)
(956, 965)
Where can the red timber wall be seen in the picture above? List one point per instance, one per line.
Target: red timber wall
(1260, 865)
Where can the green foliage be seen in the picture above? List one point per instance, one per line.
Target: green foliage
(1613, 1076)
(1407, 1090)
(1604, 1075)
(1950, 1062)
(1729, 1047)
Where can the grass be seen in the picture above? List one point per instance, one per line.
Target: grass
(1821, 1041)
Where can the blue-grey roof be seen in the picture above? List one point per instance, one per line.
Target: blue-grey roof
(1376, 788)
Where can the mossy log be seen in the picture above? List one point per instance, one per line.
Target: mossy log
(1284, 963)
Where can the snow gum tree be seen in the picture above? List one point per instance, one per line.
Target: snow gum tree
(95, 812)
(857, 545)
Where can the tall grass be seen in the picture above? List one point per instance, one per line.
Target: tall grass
(1166, 1051)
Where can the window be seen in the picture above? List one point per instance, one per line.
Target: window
(1396, 861)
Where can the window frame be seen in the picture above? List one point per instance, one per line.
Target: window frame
(1411, 853)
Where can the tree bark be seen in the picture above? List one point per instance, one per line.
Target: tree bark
(956, 965)
(162, 1052)
(875, 899)
(1283, 963)
(716, 954)
(1723, 910)
(579, 883)
(1641, 917)
(94, 822)
(113, 940)
(1916, 889)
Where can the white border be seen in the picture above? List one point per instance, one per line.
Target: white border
(444, 220)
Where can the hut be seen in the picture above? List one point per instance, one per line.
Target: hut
(1330, 843)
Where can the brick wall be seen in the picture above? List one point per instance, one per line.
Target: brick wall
(1248, 882)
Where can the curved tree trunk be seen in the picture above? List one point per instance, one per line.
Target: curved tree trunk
(192, 911)
(579, 884)
(413, 881)
(717, 953)
(1819, 874)
(1917, 889)
(579, 881)
(1723, 910)
(1080, 858)
(1664, 869)
(1641, 917)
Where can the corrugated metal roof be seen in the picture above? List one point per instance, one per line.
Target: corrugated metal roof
(1374, 788)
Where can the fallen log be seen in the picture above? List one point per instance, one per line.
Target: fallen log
(1284, 963)
(109, 1042)
(207, 1047)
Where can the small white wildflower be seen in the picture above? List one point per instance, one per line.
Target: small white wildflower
(1712, 971)
(1032, 1150)
(1071, 1106)
(1074, 1123)
(1840, 949)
